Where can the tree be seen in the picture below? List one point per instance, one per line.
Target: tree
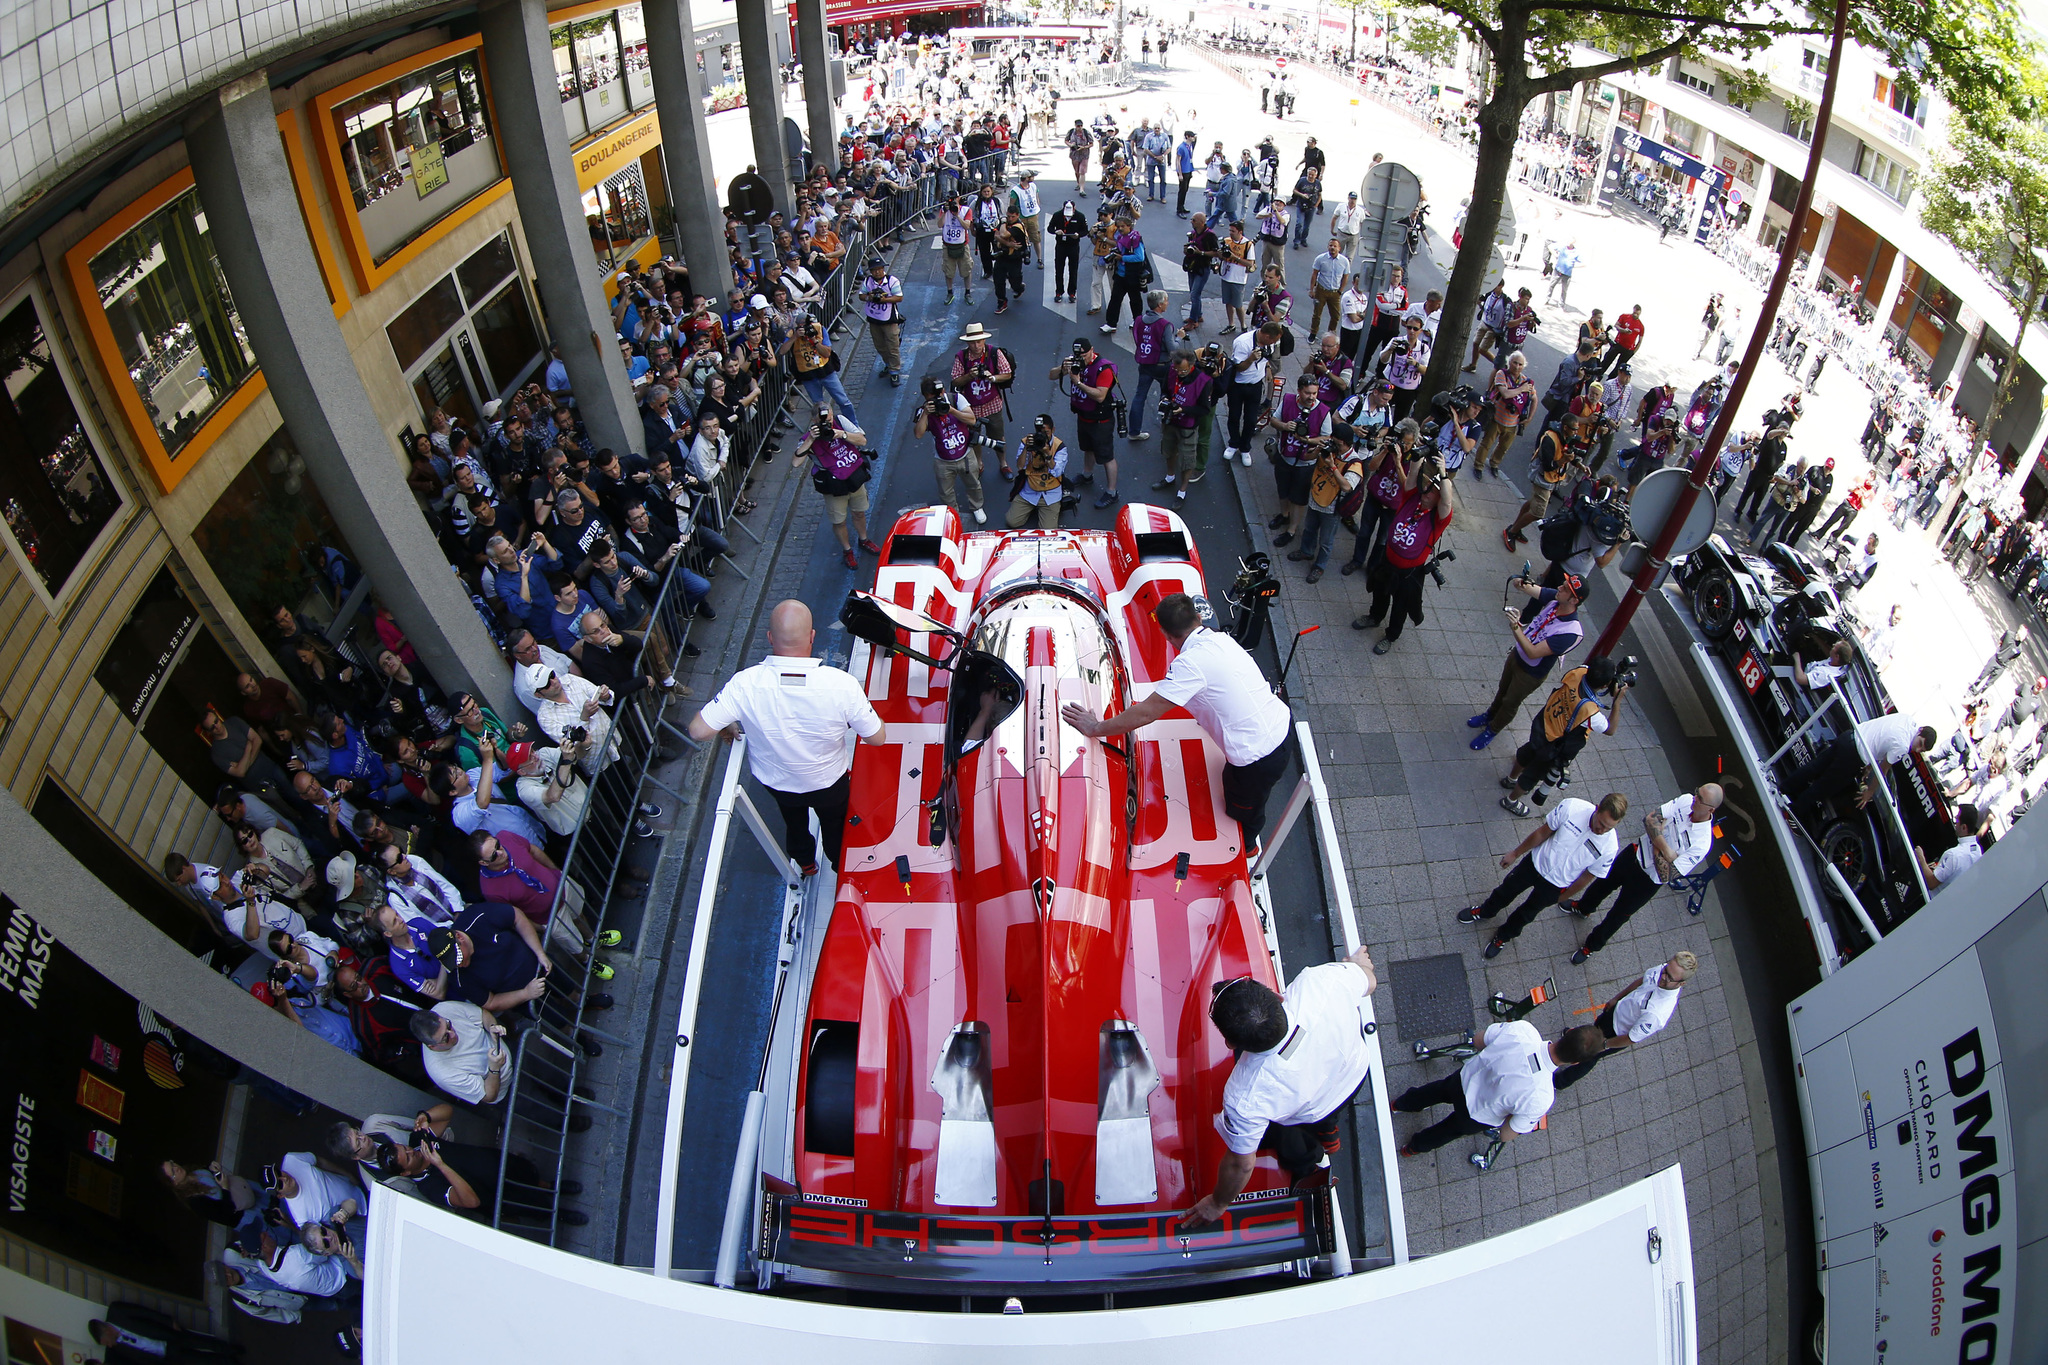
(1969, 49)
(1988, 195)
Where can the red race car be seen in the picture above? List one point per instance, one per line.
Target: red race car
(994, 1071)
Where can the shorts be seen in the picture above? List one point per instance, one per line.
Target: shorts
(1538, 500)
(837, 505)
(1292, 481)
(1096, 439)
(992, 423)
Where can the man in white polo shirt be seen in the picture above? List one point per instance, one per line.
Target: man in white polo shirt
(1974, 827)
(1562, 856)
(1300, 1057)
(463, 1050)
(1222, 688)
(1851, 763)
(796, 712)
(1506, 1086)
(1644, 1006)
(1675, 840)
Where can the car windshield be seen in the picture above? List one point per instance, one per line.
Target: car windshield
(984, 692)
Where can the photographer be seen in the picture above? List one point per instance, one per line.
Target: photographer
(1148, 341)
(1401, 362)
(1339, 469)
(1457, 434)
(1396, 571)
(840, 470)
(1041, 471)
(1251, 359)
(1568, 718)
(987, 213)
(1133, 272)
(1187, 406)
(955, 220)
(1511, 397)
(1300, 417)
(1552, 633)
(983, 375)
(1559, 456)
(951, 424)
(1089, 379)
(1333, 370)
(1198, 258)
(815, 367)
(880, 295)
(1387, 479)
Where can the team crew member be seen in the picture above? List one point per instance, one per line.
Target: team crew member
(1250, 356)
(1974, 825)
(1041, 474)
(1551, 633)
(1091, 378)
(1642, 1010)
(951, 423)
(1816, 676)
(1300, 1058)
(1850, 762)
(796, 712)
(881, 296)
(983, 373)
(1562, 856)
(1506, 1087)
(1676, 837)
(1388, 304)
(1418, 522)
(1223, 689)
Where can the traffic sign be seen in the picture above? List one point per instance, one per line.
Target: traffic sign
(749, 196)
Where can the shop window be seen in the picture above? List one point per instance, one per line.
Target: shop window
(54, 490)
(269, 536)
(415, 148)
(617, 212)
(164, 669)
(470, 337)
(172, 319)
(601, 69)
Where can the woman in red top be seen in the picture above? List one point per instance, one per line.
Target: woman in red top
(1418, 523)
(1627, 339)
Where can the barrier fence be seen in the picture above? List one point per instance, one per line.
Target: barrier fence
(547, 1091)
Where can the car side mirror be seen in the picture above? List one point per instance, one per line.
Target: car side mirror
(878, 621)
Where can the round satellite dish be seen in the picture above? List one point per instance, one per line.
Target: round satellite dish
(1651, 507)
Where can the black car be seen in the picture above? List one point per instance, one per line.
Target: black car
(1763, 615)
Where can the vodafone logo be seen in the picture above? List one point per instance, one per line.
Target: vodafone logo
(1936, 1237)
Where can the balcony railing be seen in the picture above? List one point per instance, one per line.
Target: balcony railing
(1892, 124)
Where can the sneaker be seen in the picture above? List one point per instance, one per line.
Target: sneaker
(610, 938)
(1106, 329)
(1142, 436)
(1469, 915)
(1365, 622)
(1571, 907)
(870, 546)
(852, 560)
(1246, 456)
(1493, 950)
(1085, 476)
(1579, 956)
(1351, 566)
(1298, 556)
(1383, 646)
(1407, 1151)
(1477, 722)
(1485, 738)
(644, 830)
(1507, 784)
(1478, 471)
(593, 1004)
(650, 810)
(589, 1046)
(1002, 308)
(949, 296)
(1515, 806)
(1105, 497)
(980, 517)
(705, 612)
(601, 971)
(1165, 483)
(1194, 477)
(1279, 519)
(691, 651)
(1284, 538)
(809, 869)
(1315, 575)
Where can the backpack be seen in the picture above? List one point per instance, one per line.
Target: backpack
(1565, 710)
(1003, 385)
(1558, 536)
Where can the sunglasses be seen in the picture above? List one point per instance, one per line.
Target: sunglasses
(1216, 993)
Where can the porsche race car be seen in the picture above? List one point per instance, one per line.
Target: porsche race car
(994, 1071)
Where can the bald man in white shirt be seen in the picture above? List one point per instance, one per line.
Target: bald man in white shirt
(1640, 1011)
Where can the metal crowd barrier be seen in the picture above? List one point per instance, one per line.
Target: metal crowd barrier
(543, 1094)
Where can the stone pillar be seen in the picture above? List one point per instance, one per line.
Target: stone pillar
(2032, 456)
(685, 150)
(252, 210)
(1761, 191)
(1816, 262)
(535, 145)
(40, 875)
(811, 51)
(764, 98)
(1888, 299)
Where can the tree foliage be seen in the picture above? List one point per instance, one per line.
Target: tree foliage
(1987, 194)
(1970, 50)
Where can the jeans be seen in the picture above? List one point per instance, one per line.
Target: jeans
(696, 587)
(1155, 182)
(1373, 518)
(1214, 208)
(1319, 534)
(1246, 401)
(1304, 219)
(1198, 280)
(1148, 375)
(818, 390)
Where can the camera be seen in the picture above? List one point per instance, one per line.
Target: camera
(1435, 566)
(280, 974)
(576, 734)
(1625, 675)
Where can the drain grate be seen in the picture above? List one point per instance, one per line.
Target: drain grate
(1431, 997)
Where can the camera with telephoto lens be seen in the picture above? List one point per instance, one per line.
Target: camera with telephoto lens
(1434, 568)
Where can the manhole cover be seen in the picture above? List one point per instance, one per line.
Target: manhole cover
(1431, 997)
